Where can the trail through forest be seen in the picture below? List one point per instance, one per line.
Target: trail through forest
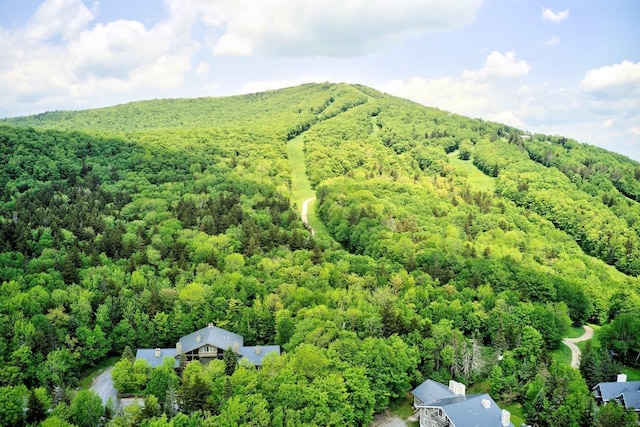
(575, 351)
(303, 194)
(303, 214)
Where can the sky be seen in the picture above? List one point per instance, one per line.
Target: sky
(559, 67)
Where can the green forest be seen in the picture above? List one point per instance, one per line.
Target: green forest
(445, 248)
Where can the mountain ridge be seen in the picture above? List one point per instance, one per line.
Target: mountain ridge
(445, 241)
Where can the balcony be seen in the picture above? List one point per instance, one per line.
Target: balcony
(436, 421)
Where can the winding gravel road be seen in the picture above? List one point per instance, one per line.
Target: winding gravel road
(575, 351)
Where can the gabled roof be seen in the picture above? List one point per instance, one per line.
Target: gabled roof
(430, 391)
(462, 410)
(255, 356)
(611, 390)
(211, 335)
(149, 354)
(631, 400)
(469, 411)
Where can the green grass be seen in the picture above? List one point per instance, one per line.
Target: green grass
(404, 410)
(476, 177)
(89, 375)
(575, 332)
(562, 355)
(315, 222)
(516, 410)
(633, 374)
(480, 387)
(595, 341)
(300, 185)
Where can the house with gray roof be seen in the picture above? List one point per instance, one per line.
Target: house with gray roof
(437, 405)
(205, 345)
(626, 393)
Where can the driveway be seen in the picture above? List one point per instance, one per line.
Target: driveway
(387, 420)
(103, 385)
(575, 351)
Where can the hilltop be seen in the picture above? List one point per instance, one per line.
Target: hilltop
(440, 242)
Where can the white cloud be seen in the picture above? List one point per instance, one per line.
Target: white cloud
(550, 15)
(461, 96)
(59, 58)
(498, 65)
(64, 18)
(473, 93)
(635, 131)
(327, 28)
(233, 44)
(552, 41)
(619, 80)
(203, 69)
(531, 89)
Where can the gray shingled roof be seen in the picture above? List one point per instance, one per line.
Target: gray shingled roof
(211, 335)
(631, 399)
(256, 359)
(469, 412)
(149, 354)
(611, 390)
(462, 410)
(430, 391)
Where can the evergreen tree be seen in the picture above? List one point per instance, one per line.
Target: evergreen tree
(36, 410)
(128, 354)
(591, 366)
(170, 402)
(193, 396)
(230, 361)
(613, 415)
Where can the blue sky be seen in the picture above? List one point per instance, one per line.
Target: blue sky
(568, 67)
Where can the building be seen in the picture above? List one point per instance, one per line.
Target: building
(437, 405)
(620, 391)
(207, 344)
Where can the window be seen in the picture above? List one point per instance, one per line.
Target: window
(208, 349)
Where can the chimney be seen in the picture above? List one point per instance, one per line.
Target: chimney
(486, 403)
(198, 338)
(505, 419)
(457, 388)
(622, 378)
(157, 353)
(178, 348)
(210, 325)
(236, 346)
(258, 349)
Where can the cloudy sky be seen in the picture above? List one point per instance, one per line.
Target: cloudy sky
(569, 67)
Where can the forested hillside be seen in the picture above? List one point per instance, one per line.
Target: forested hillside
(456, 248)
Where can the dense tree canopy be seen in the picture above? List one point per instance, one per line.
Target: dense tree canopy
(450, 243)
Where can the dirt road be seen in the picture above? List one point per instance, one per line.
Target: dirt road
(575, 351)
(303, 214)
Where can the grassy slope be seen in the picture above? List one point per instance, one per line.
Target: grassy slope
(300, 187)
(477, 178)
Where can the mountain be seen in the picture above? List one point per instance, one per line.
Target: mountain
(439, 240)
